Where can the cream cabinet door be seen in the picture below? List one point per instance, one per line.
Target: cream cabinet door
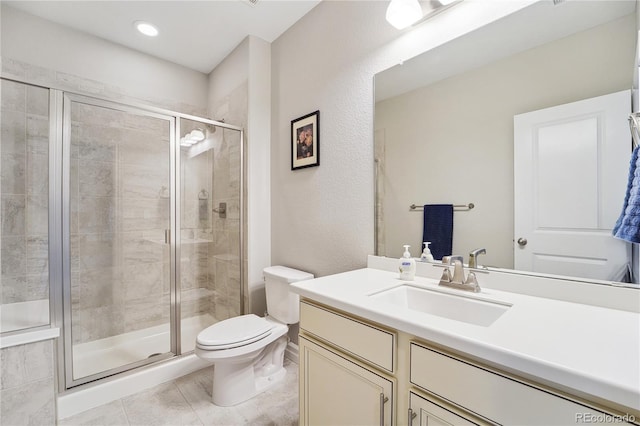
(423, 412)
(336, 391)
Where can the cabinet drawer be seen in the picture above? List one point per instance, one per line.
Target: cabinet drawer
(498, 398)
(362, 340)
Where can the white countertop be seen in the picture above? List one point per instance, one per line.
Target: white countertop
(576, 347)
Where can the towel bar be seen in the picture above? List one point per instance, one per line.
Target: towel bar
(465, 207)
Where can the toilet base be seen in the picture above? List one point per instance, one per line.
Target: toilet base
(236, 382)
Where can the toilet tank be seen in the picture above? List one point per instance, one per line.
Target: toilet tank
(282, 304)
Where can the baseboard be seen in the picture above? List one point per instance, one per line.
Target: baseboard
(292, 353)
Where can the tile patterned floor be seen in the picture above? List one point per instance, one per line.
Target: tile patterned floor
(187, 401)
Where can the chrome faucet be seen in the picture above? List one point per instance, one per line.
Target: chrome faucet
(473, 257)
(458, 280)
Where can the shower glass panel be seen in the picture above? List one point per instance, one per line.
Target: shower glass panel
(118, 277)
(210, 266)
(24, 189)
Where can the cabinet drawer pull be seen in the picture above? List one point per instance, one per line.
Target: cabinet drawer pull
(383, 400)
(412, 416)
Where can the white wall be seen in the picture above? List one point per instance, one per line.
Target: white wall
(452, 141)
(29, 39)
(322, 217)
(229, 74)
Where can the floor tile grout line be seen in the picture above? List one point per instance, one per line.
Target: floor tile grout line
(124, 410)
(188, 402)
(193, 410)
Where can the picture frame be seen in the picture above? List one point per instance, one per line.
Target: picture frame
(305, 141)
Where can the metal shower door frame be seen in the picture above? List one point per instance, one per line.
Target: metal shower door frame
(178, 172)
(64, 144)
(59, 226)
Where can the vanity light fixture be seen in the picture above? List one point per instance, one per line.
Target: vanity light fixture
(403, 13)
(146, 28)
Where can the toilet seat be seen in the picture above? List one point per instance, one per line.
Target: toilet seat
(234, 332)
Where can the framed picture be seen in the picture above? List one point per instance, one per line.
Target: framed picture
(305, 141)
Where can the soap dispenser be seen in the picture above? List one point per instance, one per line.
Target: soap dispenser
(407, 265)
(426, 253)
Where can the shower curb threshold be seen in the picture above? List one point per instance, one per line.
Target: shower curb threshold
(107, 390)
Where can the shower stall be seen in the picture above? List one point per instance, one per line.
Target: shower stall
(122, 221)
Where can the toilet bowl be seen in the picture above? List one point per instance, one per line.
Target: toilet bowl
(248, 351)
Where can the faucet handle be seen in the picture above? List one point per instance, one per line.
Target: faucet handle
(446, 276)
(472, 281)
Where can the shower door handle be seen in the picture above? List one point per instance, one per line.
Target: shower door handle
(167, 236)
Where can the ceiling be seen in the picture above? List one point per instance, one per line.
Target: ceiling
(195, 34)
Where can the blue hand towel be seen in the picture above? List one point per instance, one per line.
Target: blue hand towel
(438, 228)
(627, 226)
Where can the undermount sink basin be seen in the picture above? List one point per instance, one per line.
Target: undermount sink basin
(456, 307)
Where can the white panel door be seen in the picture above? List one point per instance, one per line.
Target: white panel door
(571, 170)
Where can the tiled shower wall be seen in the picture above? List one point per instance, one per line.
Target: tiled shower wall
(119, 212)
(224, 260)
(196, 193)
(27, 395)
(25, 164)
(210, 274)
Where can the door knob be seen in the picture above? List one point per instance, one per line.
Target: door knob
(522, 242)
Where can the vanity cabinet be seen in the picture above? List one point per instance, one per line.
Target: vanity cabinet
(337, 391)
(493, 395)
(353, 371)
(345, 370)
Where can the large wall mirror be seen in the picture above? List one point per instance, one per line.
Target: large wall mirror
(444, 134)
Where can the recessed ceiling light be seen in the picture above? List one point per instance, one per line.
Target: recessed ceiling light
(146, 28)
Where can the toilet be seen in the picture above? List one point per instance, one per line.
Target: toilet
(248, 351)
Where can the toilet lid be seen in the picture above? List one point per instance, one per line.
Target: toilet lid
(234, 332)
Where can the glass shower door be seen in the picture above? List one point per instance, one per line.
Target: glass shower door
(118, 276)
(210, 272)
